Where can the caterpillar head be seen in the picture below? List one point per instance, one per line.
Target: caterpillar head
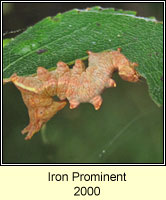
(128, 72)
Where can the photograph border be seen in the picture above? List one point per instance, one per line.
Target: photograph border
(83, 164)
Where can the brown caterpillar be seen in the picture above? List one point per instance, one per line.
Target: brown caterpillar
(77, 85)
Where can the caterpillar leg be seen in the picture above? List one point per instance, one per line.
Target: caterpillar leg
(26, 129)
(73, 104)
(32, 129)
(110, 83)
(96, 101)
(33, 126)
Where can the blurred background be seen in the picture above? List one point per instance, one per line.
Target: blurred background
(127, 129)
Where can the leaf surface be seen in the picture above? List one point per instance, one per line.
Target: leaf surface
(69, 35)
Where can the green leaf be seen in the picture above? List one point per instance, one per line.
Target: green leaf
(6, 41)
(69, 35)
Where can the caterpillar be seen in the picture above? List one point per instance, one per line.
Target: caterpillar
(77, 85)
